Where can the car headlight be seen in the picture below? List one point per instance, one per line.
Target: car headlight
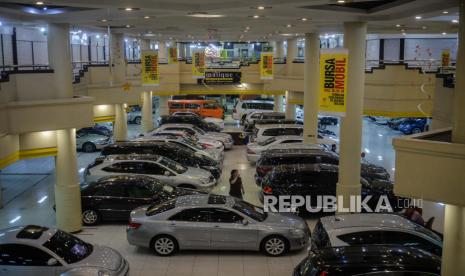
(209, 168)
(297, 232)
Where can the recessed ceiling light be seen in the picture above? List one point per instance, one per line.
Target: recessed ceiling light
(303, 19)
(128, 9)
(146, 17)
(260, 8)
(398, 25)
(256, 16)
(455, 21)
(418, 17)
(341, 1)
(404, 34)
(128, 26)
(445, 12)
(402, 30)
(424, 27)
(204, 15)
(39, 3)
(288, 25)
(444, 33)
(103, 20)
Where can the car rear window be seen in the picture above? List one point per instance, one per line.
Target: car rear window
(320, 238)
(160, 208)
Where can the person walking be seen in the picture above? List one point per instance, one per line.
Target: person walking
(235, 185)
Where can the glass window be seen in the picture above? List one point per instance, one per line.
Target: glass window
(111, 190)
(407, 239)
(291, 141)
(225, 216)
(160, 208)
(365, 237)
(271, 132)
(138, 192)
(320, 238)
(255, 116)
(23, 255)
(193, 215)
(152, 168)
(329, 160)
(174, 166)
(192, 105)
(291, 131)
(68, 247)
(250, 210)
(176, 105)
(210, 106)
(267, 141)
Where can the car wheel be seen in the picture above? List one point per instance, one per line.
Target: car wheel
(164, 245)
(187, 186)
(416, 130)
(275, 246)
(89, 147)
(90, 217)
(137, 120)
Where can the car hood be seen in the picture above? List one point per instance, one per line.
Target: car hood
(256, 147)
(213, 142)
(219, 134)
(286, 220)
(102, 257)
(213, 120)
(196, 173)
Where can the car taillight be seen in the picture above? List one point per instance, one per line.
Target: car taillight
(267, 190)
(323, 273)
(134, 225)
(262, 171)
(250, 151)
(206, 146)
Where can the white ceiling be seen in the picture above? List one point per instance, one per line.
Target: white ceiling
(169, 18)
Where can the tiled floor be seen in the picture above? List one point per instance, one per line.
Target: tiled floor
(32, 182)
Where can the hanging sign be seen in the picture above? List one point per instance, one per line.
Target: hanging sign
(150, 74)
(333, 81)
(445, 58)
(221, 78)
(266, 66)
(198, 65)
(172, 55)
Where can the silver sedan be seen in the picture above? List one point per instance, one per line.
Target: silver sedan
(217, 223)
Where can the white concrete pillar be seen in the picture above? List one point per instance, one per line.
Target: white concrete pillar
(291, 54)
(67, 189)
(351, 124)
(147, 112)
(278, 103)
(59, 56)
(145, 44)
(453, 252)
(163, 105)
(162, 51)
(290, 107)
(311, 87)
(121, 123)
(117, 59)
(280, 49)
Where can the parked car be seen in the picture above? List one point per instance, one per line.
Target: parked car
(38, 250)
(171, 151)
(159, 167)
(204, 108)
(216, 154)
(206, 143)
(114, 197)
(275, 157)
(217, 121)
(395, 122)
(224, 138)
(134, 115)
(252, 126)
(373, 260)
(327, 120)
(189, 119)
(91, 139)
(413, 126)
(299, 112)
(371, 228)
(253, 116)
(243, 107)
(317, 179)
(263, 132)
(215, 222)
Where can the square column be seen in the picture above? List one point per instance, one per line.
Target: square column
(117, 59)
(147, 117)
(121, 123)
(291, 55)
(290, 107)
(311, 87)
(278, 103)
(59, 55)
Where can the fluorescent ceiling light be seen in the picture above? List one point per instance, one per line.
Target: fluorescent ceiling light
(204, 15)
(418, 17)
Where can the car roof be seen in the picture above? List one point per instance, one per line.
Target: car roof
(33, 234)
(279, 126)
(379, 257)
(257, 101)
(379, 220)
(177, 125)
(124, 178)
(134, 157)
(205, 200)
(303, 168)
(299, 151)
(297, 145)
(273, 113)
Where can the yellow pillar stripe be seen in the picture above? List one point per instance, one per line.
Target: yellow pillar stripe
(9, 159)
(102, 119)
(36, 153)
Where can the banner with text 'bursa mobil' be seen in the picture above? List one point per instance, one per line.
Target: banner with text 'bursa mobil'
(333, 81)
(150, 73)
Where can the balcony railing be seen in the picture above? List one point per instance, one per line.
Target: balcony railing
(427, 65)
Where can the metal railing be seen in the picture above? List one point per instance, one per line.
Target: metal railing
(427, 65)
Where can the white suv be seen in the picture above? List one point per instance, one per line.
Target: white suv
(263, 132)
(373, 228)
(241, 108)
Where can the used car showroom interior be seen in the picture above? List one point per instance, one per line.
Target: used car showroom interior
(232, 137)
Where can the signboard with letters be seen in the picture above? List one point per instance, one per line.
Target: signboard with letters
(333, 81)
(150, 73)
(214, 77)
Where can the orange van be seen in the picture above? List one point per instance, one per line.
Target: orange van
(204, 108)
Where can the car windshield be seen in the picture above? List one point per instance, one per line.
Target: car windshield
(160, 208)
(267, 141)
(250, 210)
(428, 232)
(199, 130)
(192, 144)
(170, 164)
(68, 247)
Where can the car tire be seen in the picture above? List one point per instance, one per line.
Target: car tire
(164, 245)
(416, 130)
(89, 147)
(90, 217)
(274, 246)
(187, 186)
(137, 120)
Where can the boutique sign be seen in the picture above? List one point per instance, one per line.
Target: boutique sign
(333, 81)
(221, 78)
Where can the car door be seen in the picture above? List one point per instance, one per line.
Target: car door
(138, 195)
(111, 201)
(192, 228)
(232, 231)
(25, 260)
(156, 171)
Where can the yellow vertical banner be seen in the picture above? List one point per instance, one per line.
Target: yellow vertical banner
(150, 73)
(172, 55)
(198, 64)
(266, 66)
(445, 58)
(333, 81)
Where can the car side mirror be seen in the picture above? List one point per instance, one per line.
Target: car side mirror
(245, 222)
(52, 262)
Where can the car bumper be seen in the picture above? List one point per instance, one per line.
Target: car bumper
(299, 243)
(253, 158)
(228, 144)
(207, 187)
(258, 180)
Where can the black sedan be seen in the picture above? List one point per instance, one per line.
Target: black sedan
(189, 119)
(372, 260)
(114, 197)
